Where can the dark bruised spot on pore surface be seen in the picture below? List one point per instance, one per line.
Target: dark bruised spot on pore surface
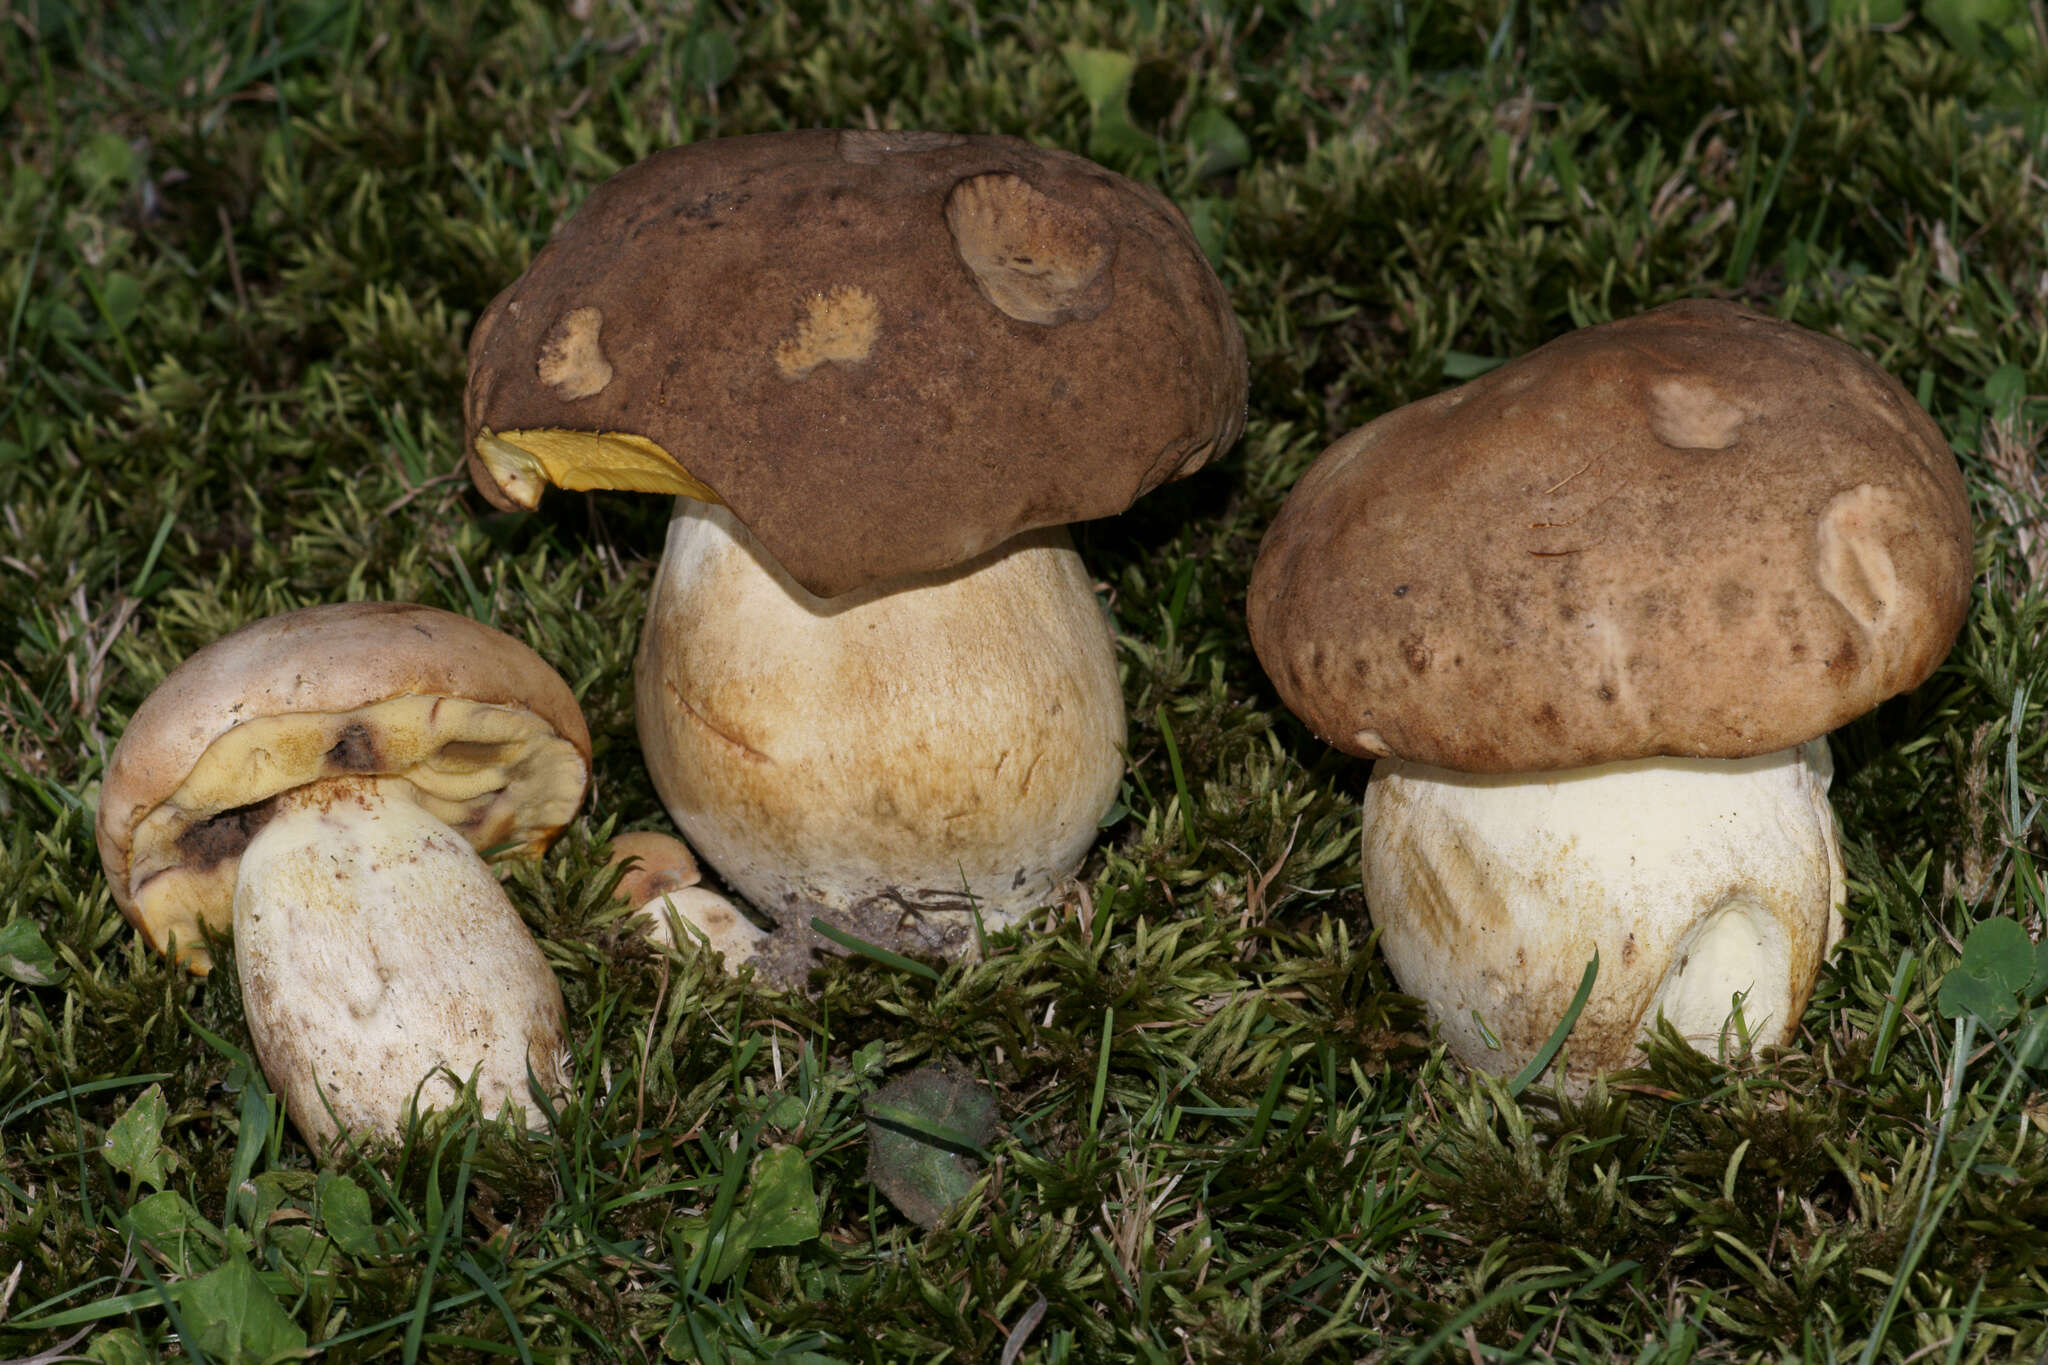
(355, 749)
(224, 836)
(472, 753)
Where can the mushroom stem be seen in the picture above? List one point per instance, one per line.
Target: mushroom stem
(897, 758)
(380, 960)
(1695, 881)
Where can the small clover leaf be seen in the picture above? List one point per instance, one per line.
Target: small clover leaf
(779, 1209)
(178, 1233)
(1104, 77)
(235, 1317)
(2000, 969)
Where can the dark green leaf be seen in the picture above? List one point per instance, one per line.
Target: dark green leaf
(1999, 963)
(924, 1130)
(122, 293)
(1463, 365)
(708, 59)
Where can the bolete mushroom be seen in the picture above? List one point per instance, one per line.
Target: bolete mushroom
(882, 370)
(663, 884)
(321, 780)
(1594, 614)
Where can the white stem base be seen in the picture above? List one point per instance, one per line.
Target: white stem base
(1694, 880)
(911, 750)
(379, 958)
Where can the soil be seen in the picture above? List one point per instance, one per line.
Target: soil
(795, 949)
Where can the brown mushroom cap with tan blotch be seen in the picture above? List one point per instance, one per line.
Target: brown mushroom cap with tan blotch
(321, 781)
(885, 352)
(882, 371)
(1697, 534)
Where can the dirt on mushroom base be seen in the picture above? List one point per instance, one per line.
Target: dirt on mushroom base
(940, 926)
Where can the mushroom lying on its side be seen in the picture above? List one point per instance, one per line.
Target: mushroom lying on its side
(883, 370)
(322, 780)
(662, 884)
(1594, 612)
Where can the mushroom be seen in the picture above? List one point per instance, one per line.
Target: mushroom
(1594, 614)
(662, 882)
(322, 780)
(882, 370)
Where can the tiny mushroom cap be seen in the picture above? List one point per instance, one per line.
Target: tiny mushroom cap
(663, 879)
(1696, 532)
(886, 352)
(1595, 612)
(463, 720)
(660, 863)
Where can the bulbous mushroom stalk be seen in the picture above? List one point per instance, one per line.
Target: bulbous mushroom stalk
(1694, 881)
(320, 780)
(383, 966)
(975, 735)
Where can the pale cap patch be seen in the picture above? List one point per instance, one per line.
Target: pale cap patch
(572, 361)
(840, 324)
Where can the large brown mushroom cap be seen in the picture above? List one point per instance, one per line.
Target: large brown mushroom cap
(1698, 532)
(473, 725)
(886, 352)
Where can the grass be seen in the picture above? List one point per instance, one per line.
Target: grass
(240, 250)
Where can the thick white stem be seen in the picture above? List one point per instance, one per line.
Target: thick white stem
(1695, 881)
(379, 958)
(918, 746)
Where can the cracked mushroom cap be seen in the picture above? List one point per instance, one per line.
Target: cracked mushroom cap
(885, 352)
(1696, 532)
(481, 732)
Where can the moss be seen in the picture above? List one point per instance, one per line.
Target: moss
(240, 252)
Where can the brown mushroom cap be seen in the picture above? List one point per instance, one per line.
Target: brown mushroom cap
(663, 863)
(467, 721)
(886, 352)
(1697, 532)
